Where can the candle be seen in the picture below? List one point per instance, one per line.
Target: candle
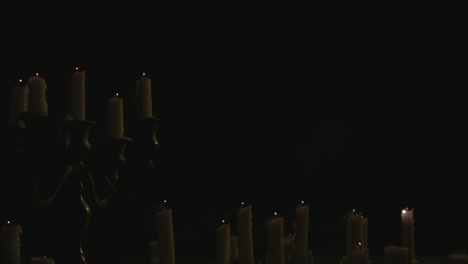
(165, 234)
(11, 243)
(288, 247)
(234, 249)
(365, 232)
(354, 232)
(19, 102)
(360, 255)
(407, 228)
(244, 235)
(143, 100)
(275, 244)
(115, 126)
(458, 258)
(223, 244)
(153, 249)
(77, 95)
(41, 260)
(396, 255)
(302, 233)
(37, 100)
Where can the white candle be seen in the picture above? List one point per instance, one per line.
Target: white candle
(302, 233)
(275, 236)
(143, 100)
(244, 235)
(165, 234)
(354, 232)
(115, 121)
(458, 258)
(77, 95)
(396, 255)
(11, 243)
(41, 260)
(223, 244)
(37, 99)
(407, 230)
(19, 102)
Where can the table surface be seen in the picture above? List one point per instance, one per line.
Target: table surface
(317, 260)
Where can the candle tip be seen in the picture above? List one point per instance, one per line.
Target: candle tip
(8, 222)
(144, 74)
(222, 221)
(403, 211)
(37, 74)
(275, 213)
(116, 94)
(20, 80)
(76, 68)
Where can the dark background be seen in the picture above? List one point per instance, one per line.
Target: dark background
(262, 106)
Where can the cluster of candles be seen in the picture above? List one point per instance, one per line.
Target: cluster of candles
(31, 97)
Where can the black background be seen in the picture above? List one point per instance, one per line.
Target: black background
(259, 105)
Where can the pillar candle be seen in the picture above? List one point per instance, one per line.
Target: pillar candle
(19, 102)
(302, 233)
(165, 235)
(143, 100)
(77, 95)
(407, 229)
(360, 255)
(354, 232)
(223, 244)
(288, 247)
(234, 249)
(37, 99)
(41, 260)
(458, 258)
(395, 255)
(244, 235)
(11, 243)
(275, 242)
(115, 122)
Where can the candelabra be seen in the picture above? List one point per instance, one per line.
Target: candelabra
(69, 174)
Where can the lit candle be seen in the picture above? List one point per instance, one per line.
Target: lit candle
(354, 232)
(360, 255)
(37, 99)
(223, 244)
(407, 230)
(11, 243)
(275, 235)
(165, 234)
(41, 260)
(19, 102)
(77, 95)
(458, 258)
(244, 235)
(302, 233)
(115, 122)
(143, 100)
(396, 255)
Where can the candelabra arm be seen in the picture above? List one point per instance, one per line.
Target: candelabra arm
(47, 202)
(101, 202)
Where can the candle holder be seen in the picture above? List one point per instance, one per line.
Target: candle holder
(70, 199)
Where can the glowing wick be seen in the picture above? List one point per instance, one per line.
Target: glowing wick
(165, 201)
(302, 202)
(8, 222)
(354, 211)
(116, 94)
(144, 74)
(403, 211)
(275, 214)
(44, 257)
(222, 221)
(20, 80)
(76, 68)
(360, 245)
(37, 74)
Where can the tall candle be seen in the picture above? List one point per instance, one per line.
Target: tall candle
(396, 255)
(11, 243)
(244, 235)
(302, 233)
(407, 229)
(77, 95)
(223, 244)
(115, 121)
(354, 232)
(19, 102)
(37, 98)
(143, 100)
(165, 235)
(41, 260)
(288, 248)
(275, 244)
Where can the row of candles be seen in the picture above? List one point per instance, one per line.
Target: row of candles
(31, 96)
(238, 247)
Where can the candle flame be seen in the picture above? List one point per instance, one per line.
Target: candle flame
(403, 211)
(222, 221)
(20, 80)
(37, 74)
(76, 69)
(354, 210)
(116, 94)
(144, 74)
(302, 202)
(165, 201)
(44, 257)
(8, 222)
(275, 213)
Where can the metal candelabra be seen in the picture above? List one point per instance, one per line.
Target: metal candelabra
(69, 173)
